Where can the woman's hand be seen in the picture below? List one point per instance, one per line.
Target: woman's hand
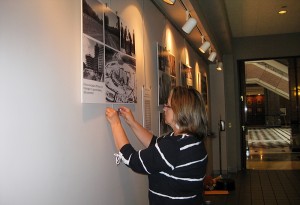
(112, 116)
(127, 115)
(142, 133)
(118, 132)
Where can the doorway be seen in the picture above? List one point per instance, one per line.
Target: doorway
(266, 115)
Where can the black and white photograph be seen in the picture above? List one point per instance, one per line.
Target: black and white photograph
(92, 19)
(171, 64)
(166, 61)
(199, 82)
(112, 29)
(186, 75)
(108, 73)
(166, 73)
(164, 86)
(127, 39)
(162, 58)
(93, 59)
(120, 77)
(163, 127)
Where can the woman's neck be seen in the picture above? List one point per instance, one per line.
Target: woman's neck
(177, 131)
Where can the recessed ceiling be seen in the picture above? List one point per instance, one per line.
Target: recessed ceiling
(260, 17)
(227, 19)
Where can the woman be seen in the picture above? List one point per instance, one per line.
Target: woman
(175, 163)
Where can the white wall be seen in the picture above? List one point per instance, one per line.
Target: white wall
(53, 149)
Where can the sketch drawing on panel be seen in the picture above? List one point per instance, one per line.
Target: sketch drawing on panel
(120, 77)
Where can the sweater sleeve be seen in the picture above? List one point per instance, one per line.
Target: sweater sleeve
(161, 155)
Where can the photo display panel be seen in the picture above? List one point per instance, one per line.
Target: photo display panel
(108, 56)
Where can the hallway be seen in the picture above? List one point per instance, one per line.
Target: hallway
(272, 176)
(261, 187)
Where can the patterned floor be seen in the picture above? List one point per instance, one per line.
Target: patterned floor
(268, 137)
(261, 187)
(271, 149)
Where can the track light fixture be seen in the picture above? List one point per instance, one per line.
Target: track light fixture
(189, 24)
(171, 2)
(204, 47)
(212, 56)
(219, 66)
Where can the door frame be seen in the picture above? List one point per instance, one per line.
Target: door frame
(242, 106)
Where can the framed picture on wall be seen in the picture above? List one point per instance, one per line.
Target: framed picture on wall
(171, 65)
(249, 100)
(108, 56)
(166, 73)
(258, 101)
(186, 75)
(199, 81)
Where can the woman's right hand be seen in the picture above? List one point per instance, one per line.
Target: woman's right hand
(112, 116)
(142, 133)
(126, 113)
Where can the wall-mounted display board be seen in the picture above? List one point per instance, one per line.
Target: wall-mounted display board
(166, 73)
(186, 75)
(108, 56)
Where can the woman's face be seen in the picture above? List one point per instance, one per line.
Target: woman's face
(169, 114)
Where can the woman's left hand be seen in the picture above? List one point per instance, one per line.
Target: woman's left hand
(112, 116)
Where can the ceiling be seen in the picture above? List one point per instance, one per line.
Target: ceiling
(222, 20)
(260, 17)
(269, 74)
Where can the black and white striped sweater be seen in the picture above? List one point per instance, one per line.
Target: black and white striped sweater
(175, 165)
